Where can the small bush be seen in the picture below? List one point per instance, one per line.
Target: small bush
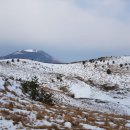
(83, 62)
(91, 60)
(6, 83)
(72, 95)
(46, 97)
(7, 62)
(121, 65)
(125, 64)
(108, 71)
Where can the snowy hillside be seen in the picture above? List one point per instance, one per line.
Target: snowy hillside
(96, 86)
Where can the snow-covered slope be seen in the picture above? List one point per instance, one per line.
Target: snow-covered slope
(88, 79)
(101, 85)
(18, 111)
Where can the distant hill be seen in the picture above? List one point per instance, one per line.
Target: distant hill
(32, 54)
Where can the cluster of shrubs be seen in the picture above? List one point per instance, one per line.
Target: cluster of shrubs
(12, 61)
(32, 88)
(59, 77)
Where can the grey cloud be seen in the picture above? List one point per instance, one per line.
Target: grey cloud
(63, 24)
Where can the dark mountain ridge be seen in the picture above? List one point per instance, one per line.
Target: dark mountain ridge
(32, 54)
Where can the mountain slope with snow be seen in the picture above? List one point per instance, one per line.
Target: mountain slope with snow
(32, 54)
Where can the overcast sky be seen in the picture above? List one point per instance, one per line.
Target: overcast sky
(67, 29)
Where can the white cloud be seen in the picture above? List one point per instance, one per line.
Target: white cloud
(61, 22)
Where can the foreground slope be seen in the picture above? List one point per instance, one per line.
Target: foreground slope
(18, 111)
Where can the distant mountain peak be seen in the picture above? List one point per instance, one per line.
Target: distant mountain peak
(33, 54)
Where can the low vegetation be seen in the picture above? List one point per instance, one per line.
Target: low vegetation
(33, 89)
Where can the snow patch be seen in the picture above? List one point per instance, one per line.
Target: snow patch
(30, 50)
(86, 126)
(81, 91)
(67, 124)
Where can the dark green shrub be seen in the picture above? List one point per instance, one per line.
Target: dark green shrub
(126, 64)
(33, 89)
(47, 97)
(108, 71)
(12, 60)
(7, 62)
(113, 62)
(83, 62)
(121, 65)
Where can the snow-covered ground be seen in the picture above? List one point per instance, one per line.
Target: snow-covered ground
(93, 88)
(18, 111)
(85, 80)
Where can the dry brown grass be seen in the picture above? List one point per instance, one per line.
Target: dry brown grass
(4, 113)
(59, 112)
(68, 118)
(64, 89)
(9, 106)
(17, 118)
(40, 115)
